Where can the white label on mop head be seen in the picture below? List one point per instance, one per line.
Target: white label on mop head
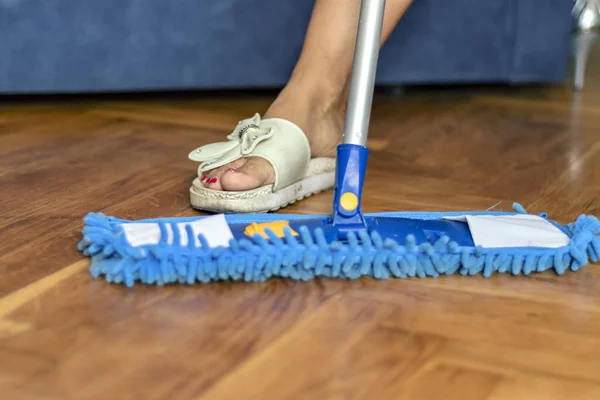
(141, 233)
(497, 231)
(215, 230)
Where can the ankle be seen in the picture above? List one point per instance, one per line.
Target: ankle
(318, 118)
(306, 105)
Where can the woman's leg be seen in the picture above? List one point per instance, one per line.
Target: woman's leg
(315, 96)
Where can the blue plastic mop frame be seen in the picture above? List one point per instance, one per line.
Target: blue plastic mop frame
(309, 255)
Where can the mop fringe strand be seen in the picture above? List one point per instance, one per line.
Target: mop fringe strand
(309, 255)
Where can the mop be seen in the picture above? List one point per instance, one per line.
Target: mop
(347, 243)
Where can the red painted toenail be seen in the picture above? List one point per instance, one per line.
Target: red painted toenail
(203, 178)
(213, 180)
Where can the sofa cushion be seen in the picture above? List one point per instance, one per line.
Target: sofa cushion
(122, 45)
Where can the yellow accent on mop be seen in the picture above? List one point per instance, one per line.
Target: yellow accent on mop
(276, 226)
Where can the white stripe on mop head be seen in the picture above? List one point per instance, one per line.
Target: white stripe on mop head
(498, 231)
(214, 228)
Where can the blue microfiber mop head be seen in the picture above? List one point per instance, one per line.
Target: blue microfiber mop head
(169, 250)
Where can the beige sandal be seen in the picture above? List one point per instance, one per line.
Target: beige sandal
(280, 142)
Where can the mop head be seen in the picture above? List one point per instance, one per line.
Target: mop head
(249, 248)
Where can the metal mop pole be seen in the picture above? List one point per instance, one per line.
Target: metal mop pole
(362, 81)
(352, 153)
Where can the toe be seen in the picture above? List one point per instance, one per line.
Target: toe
(213, 179)
(255, 172)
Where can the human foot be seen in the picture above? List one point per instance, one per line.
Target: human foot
(287, 153)
(322, 126)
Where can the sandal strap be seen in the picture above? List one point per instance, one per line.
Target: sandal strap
(282, 143)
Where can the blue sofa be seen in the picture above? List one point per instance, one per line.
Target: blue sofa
(58, 46)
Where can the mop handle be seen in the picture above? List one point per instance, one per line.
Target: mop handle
(362, 80)
(352, 154)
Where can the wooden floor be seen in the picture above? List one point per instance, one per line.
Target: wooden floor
(65, 336)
